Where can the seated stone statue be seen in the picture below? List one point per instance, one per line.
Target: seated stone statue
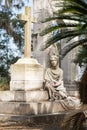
(55, 86)
(54, 80)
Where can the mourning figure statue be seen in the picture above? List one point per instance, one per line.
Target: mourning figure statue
(55, 86)
(54, 80)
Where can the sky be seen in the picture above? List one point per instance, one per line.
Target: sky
(31, 2)
(26, 3)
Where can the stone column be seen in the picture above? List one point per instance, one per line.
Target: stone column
(42, 9)
(70, 69)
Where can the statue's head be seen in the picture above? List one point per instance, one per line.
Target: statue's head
(54, 61)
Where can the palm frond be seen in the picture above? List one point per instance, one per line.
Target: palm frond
(75, 13)
(81, 3)
(69, 6)
(73, 9)
(75, 17)
(65, 34)
(52, 28)
(81, 56)
(71, 46)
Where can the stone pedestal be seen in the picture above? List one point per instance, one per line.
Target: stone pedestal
(26, 97)
(26, 74)
(26, 83)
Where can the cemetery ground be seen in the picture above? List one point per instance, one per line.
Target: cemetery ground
(42, 122)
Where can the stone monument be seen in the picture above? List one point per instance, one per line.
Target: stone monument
(26, 102)
(41, 11)
(27, 73)
(26, 83)
(26, 95)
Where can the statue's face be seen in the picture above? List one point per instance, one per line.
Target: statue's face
(54, 63)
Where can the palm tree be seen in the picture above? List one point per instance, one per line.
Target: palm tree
(75, 12)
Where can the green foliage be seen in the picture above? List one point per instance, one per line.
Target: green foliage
(10, 23)
(75, 12)
(4, 83)
(11, 36)
(81, 56)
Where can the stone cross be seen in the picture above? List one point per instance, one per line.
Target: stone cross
(27, 28)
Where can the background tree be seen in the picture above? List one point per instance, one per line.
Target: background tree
(11, 40)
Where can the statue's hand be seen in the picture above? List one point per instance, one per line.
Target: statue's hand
(55, 84)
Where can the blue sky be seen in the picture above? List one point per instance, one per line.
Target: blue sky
(26, 3)
(29, 2)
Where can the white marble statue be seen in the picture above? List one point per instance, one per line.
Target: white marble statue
(54, 80)
(55, 86)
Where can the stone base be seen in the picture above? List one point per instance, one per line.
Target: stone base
(24, 96)
(26, 74)
(30, 108)
(28, 102)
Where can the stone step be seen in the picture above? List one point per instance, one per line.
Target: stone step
(31, 108)
(37, 122)
(33, 122)
(25, 115)
(28, 96)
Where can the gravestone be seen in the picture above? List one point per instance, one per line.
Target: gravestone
(26, 73)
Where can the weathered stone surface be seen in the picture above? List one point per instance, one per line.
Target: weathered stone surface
(33, 122)
(26, 74)
(28, 96)
(25, 122)
(30, 108)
